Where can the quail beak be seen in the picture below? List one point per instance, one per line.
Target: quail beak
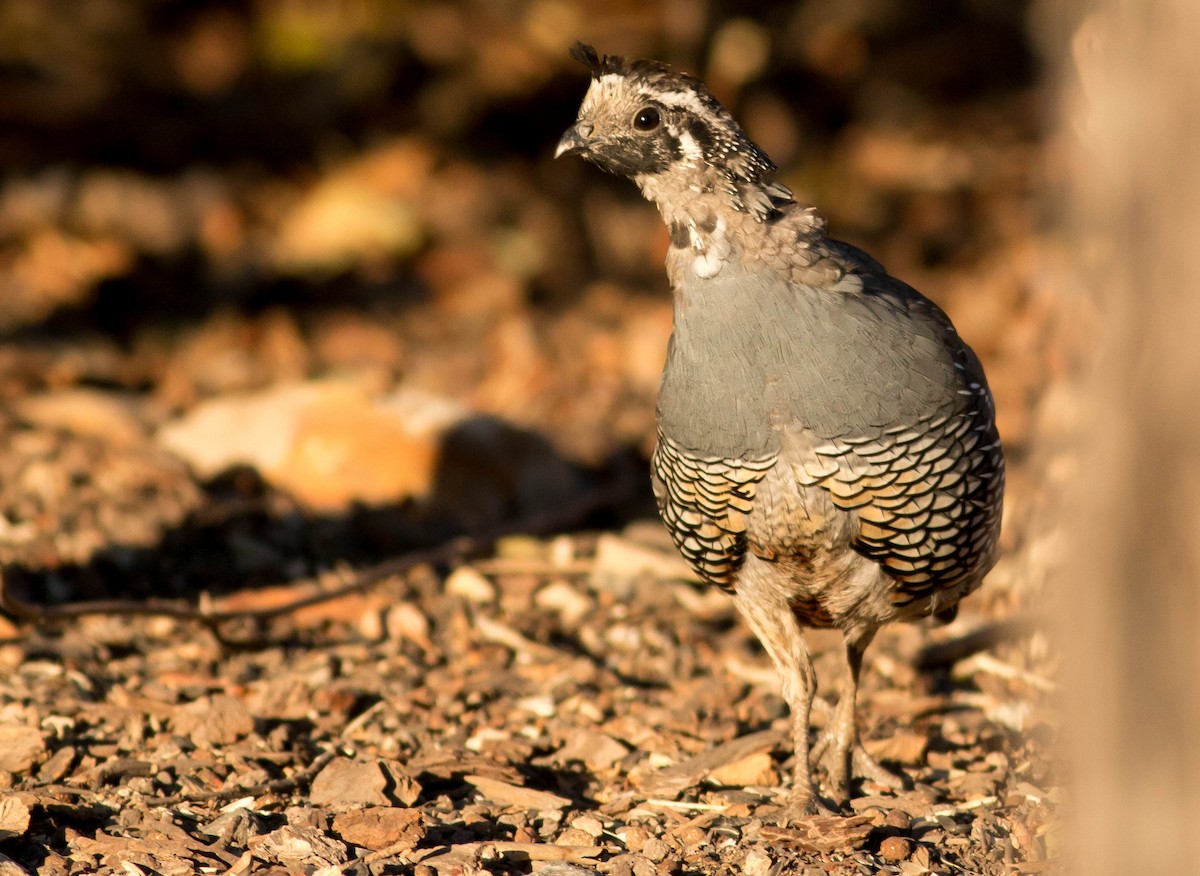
(575, 141)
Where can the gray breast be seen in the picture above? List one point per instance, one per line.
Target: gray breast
(752, 354)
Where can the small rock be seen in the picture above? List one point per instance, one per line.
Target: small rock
(565, 599)
(895, 849)
(755, 769)
(589, 824)
(542, 705)
(405, 621)
(634, 838)
(655, 849)
(470, 584)
(631, 865)
(574, 837)
(213, 721)
(20, 747)
(405, 789)
(381, 827)
(690, 835)
(524, 834)
(757, 863)
(9, 867)
(328, 442)
(344, 781)
(14, 817)
(597, 751)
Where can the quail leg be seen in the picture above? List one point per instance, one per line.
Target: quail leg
(838, 747)
(776, 627)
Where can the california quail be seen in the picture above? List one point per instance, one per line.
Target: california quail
(827, 450)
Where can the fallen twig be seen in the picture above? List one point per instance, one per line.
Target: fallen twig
(450, 552)
(486, 850)
(501, 634)
(994, 666)
(685, 806)
(275, 786)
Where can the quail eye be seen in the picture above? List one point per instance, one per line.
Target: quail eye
(647, 119)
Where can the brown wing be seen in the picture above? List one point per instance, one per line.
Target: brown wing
(927, 498)
(704, 501)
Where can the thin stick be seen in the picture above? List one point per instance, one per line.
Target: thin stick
(273, 787)
(450, 552)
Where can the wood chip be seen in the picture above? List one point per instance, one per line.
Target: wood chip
(822, 834)
(506, 794)
(598, 751)
(674, 779)
(20, 747)
(902, 747)
(517, 851)
(14, 817)
(213, 721)
(755, 769)
(299, 847)
(381, 827)
(344, 781)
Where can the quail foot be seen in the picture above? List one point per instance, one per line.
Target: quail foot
(827, 450)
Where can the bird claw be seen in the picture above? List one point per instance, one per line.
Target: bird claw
(828, 753)
(801, 807)
(870, 769)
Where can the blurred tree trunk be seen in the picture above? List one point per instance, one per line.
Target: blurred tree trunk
(1131, 604)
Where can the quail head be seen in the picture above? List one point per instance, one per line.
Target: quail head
(827, 449)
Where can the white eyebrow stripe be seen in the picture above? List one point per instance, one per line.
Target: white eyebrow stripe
(682, 99)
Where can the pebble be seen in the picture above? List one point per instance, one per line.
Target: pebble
(895, 849)
(470, 584)
(635, 838)
(573, 836)
(757, 863)
(20, 747)
(655, 849)
(588, 824)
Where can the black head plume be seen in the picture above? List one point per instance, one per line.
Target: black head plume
(586, 55)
